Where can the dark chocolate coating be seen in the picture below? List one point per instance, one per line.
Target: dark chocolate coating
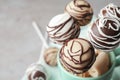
(105, 33)
(37, 75)
(110, 10)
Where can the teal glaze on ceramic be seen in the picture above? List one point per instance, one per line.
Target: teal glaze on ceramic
(117, 54)
(107, 76)
(117, 51)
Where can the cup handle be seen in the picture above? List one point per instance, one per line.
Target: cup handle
(117, 54)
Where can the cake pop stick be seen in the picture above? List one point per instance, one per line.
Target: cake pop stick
(39, 33)
(52, 50)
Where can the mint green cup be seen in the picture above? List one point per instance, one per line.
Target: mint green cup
(115, 61)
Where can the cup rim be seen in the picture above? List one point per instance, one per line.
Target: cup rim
(113, 62)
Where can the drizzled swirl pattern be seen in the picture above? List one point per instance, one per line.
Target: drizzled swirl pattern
(36, 72)
(80, 10)
(63, 28)
(77, 56)
(37, 75)
(110, 10)
(105, 33)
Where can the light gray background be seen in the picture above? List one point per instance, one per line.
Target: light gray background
(19, 44)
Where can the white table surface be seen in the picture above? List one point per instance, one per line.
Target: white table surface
(19, 44)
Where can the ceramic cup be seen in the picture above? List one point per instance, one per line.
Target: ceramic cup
(115, 61)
